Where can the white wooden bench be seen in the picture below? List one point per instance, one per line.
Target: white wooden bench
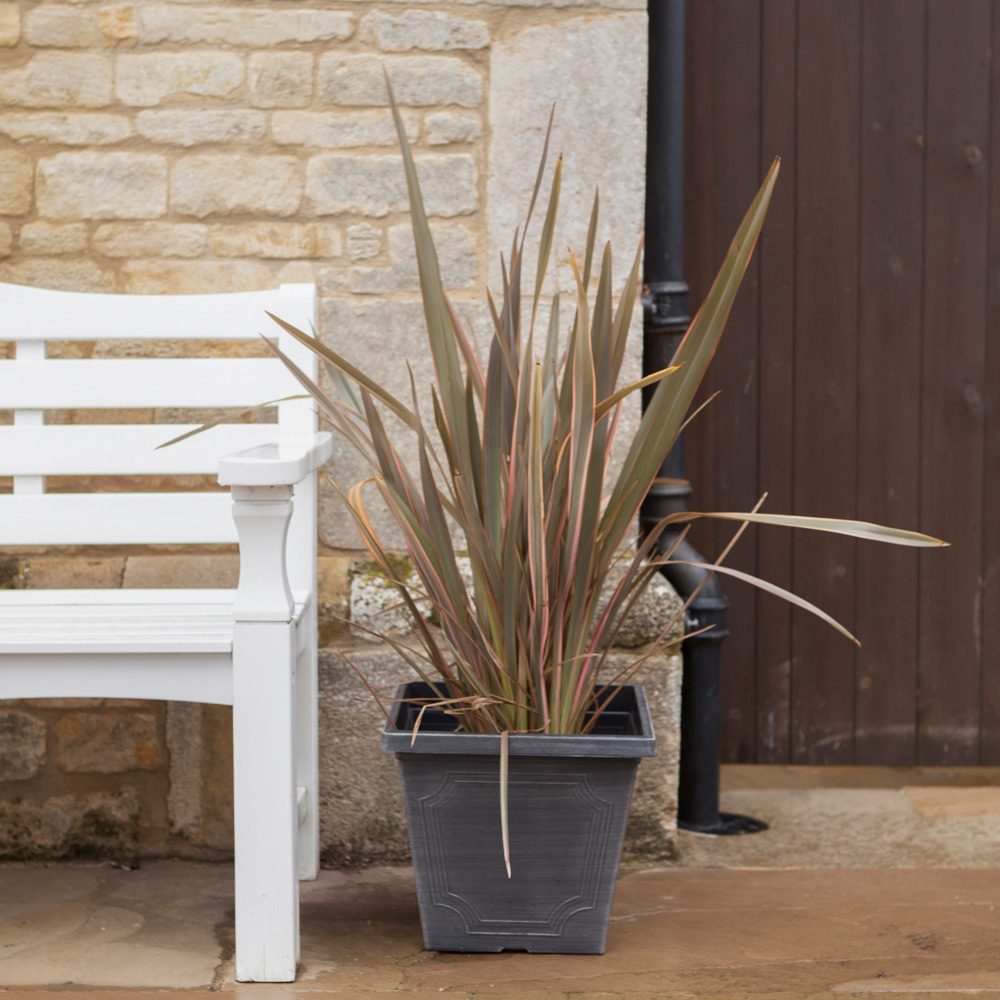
(253, 648)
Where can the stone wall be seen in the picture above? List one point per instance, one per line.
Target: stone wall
(198, 146)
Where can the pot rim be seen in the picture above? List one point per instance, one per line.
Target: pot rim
(642, 744)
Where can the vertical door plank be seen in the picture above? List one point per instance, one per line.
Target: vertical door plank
(776, 352)
(952, 421)
(825, 423)
(991, 493)
(892, 177)
(736, 75)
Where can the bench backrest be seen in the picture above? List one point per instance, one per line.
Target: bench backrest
(36, 445)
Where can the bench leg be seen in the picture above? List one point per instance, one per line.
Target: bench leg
(307, 743)
(265, 802)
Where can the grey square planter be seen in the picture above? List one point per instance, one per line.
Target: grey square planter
(568, 801)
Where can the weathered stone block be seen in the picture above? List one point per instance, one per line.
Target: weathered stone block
(366, 819)
(456, 257)
(89, 185)
(6, 239)
(118, 23)
(22, 745)
(363, 241)
(57, 80)
(376, 185)
(280, 79)
(191, 128)
(48, 238)
(151, 239)
(599, 128)
(73, 129)
(10, 23)
(61, 26)
(241, 25)
(340, 129)
(185, 809)
(444, 127)
(54, 272)
(165, 277)
(278, 240)
(16, 177)
(90, 825)
(148, 78)
(422, 29)
(222, 184)
(70, 573)
(417, 80)
(106, 742)
(364, 330)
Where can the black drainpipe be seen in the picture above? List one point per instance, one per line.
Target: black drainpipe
(665, 321)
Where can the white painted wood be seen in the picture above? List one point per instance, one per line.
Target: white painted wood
(116, 519)
(171, 644)
(262, 514)
(32, 485)
(283, 462)
(122, 449)
(265, 804)
(202, 677)
(42, 314)
(144, 382)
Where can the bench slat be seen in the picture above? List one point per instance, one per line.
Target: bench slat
(143, 382)
(122, 450)
(116, 519)
(40, 314)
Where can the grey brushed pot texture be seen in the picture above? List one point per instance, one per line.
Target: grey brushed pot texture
(568, 800)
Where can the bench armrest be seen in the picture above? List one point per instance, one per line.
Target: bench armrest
(282, 462)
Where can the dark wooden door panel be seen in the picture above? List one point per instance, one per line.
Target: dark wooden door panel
(860, 375)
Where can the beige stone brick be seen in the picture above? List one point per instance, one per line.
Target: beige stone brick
(55, 272)
(10, 23)
(456, 257)
(444, 127)
(416, 80)
(422, 29)
(222, 184)
(67, 128)
(301, 272)
(61, 26)
(340, 129)
(280, 79)
(191, 128)
(118, 23)
(6, 239)
(376, 185)
(58, 79)
(71, 573)
(187, 782)
(16, 177)
(106, 742)
(43, 237)
(278, 240)
(151, 239)
(90, 185)
(363, 241)
(211, 570)
(22, 745)
(241, 25)
(165, 277)
(148, 78)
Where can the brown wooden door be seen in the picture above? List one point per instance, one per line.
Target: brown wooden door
(860, 373)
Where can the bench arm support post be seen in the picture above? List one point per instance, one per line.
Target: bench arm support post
(262, 514)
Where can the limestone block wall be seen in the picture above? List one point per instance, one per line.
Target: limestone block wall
(213, 145)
